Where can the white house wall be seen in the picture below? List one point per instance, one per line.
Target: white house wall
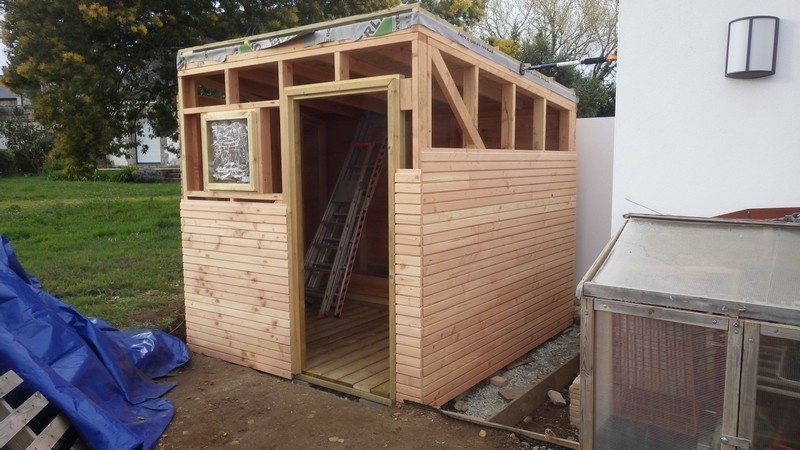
(688, 140)
(594, 143)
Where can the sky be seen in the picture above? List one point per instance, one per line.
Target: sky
(3, 59)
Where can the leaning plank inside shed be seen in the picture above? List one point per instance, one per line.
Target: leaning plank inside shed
(411, 273)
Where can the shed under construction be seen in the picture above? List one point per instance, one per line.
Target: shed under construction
(380, 205)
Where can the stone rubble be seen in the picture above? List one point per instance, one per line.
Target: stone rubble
(556, 398)
(484, 400)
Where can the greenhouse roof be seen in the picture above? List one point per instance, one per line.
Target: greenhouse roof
(742, 268)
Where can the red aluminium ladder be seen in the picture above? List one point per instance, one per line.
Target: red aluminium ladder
(331, 255)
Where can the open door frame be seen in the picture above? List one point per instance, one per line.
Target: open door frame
(292, 192)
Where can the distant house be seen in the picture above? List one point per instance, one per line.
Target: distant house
(150, 151)
(10, 104)
(9, 99)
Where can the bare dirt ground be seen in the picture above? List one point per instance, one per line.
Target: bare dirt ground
(221, 405)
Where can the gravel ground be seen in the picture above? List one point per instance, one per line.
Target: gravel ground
(484, 399)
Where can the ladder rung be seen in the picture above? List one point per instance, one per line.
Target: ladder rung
(327, 242)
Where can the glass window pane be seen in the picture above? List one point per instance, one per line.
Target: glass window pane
(659, 384)
(777, 395)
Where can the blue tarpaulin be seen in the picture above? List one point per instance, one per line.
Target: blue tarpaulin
(99, 377)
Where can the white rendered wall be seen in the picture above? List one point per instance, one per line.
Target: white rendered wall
(148, 149)
(594, 142)
(688, 140)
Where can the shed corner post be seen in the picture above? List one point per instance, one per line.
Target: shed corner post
(292, 195)
(567, 124)
(421, 114)
(397, 159)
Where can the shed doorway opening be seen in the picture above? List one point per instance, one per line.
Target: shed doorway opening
(343, 218)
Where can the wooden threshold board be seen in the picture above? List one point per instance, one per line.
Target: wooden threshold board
(352, 350)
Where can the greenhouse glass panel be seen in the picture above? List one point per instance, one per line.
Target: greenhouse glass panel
(778, 394)
(753, 263)
(659, 384)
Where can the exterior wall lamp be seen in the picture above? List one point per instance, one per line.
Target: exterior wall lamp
(752, 47)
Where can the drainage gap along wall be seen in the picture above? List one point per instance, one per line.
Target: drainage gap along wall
(464, 257)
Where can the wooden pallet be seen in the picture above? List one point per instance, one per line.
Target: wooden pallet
(353, 350)
(16, 431)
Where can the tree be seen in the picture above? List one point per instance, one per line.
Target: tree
(461, 13)
(544, 31)
(26, 141)
(95, 70)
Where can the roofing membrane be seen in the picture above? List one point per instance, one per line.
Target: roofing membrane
(361, 27)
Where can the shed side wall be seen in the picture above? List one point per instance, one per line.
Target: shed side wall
(235, 258)
(496, 264)
(408, 284)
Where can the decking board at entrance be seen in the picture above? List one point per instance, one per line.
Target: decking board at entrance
(352, 350)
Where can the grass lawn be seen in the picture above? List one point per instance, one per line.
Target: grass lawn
(112, 250)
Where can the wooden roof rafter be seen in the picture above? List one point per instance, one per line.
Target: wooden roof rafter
(496, 75)
(387, 27)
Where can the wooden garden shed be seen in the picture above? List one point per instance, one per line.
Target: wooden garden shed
(464, 261)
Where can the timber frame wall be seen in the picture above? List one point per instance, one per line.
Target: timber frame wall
(480, 199)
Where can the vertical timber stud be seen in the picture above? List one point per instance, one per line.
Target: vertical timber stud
(421, 97)
(566, 133)
(587, 354)
(191, 159)
(292, 195)
(341, 66)
(539, 123)
(185, 86)
(265, 155)
(232, 95)
(733, 372)
(747, 397)
(471, 90)
(396, 159)
(508, 120)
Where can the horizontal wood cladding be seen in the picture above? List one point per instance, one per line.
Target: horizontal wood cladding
(235, 257)
(408, 283)
(485, 258)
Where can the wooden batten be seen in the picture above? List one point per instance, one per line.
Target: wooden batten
(470, 262)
